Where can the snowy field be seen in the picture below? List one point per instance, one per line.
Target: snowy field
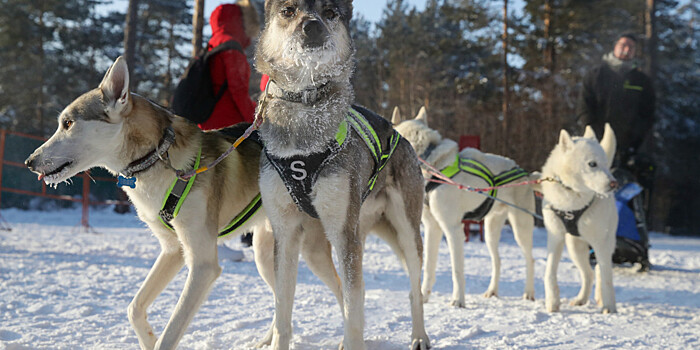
(61, 289)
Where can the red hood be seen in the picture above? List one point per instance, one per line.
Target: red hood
(227, 24)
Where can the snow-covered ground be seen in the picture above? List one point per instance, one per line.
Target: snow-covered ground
(63, 289)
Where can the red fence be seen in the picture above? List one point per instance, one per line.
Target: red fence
(84, 198)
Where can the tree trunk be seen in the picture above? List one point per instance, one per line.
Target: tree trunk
(650, 34)
(130, 39)
(197, 26)
(505, 77)
(549, 54)
(40, 71)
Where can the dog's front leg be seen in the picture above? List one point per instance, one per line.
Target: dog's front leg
(287, 241)
(167, 265)
(338, 205)
(555, 246)
(493, 224)
(199, 247)
(605, 291)
(578, 251)
(263, 241)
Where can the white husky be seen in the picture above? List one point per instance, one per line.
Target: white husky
(578, 207)
(446, 205)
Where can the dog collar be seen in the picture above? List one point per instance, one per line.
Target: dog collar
(558, 180)
(152, 157)
(428, 151)
(305, 97)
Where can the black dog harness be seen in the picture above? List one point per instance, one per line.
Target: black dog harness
(299, 173)
(570, 218)
(476, 168)
(179, 189)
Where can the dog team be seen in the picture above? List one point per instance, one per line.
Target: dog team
(323, 174)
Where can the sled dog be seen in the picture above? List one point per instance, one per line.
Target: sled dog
(127, 134)
(329, 166)
(579, 208)
(445, 205)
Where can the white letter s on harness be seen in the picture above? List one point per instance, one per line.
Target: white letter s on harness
(298, 167)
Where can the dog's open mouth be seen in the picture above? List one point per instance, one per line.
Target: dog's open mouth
(55, 175)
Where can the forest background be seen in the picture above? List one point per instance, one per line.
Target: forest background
(511, 76)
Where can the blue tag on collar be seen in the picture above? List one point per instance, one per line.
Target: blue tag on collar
(126, 181)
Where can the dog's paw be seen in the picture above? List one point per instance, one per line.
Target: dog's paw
(552, 307)
(529, 296)
(578, 302)
(458, 303)
(263, 343)
(609, 310)
(490, 293)
(420, 344)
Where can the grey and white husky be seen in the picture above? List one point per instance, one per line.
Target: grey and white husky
(445, 206)
(112, 128)
(319, 172)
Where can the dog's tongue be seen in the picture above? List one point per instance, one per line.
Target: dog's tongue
(41, 176)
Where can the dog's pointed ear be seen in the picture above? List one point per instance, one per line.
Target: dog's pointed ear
(589, 133)
(565, 140)
(609, 143)
(396, 116)
(115, 88)
(422, 116)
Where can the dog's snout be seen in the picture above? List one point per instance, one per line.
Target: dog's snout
(313, 30)
(30, 162)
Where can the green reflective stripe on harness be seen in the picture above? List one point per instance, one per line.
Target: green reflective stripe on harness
(476, 168)
(393, 142)
(369, 135)
(179, 191)
(181, 196)
(451, 169)
(363, 128)
(342, 133)
(243, 217)
(509, 176)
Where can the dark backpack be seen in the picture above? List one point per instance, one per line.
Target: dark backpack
(194, 97)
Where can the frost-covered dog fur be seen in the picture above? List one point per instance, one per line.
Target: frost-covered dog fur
(306, 47)
(110, 127)
(445, 206)
(581, 166)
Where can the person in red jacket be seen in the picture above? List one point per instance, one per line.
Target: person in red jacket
(238, 22)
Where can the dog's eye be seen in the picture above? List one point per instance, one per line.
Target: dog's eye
(329, 14)
(592, 164)
(67, 123)
(289, 11)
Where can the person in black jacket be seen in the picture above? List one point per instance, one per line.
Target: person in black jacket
(617, 92)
